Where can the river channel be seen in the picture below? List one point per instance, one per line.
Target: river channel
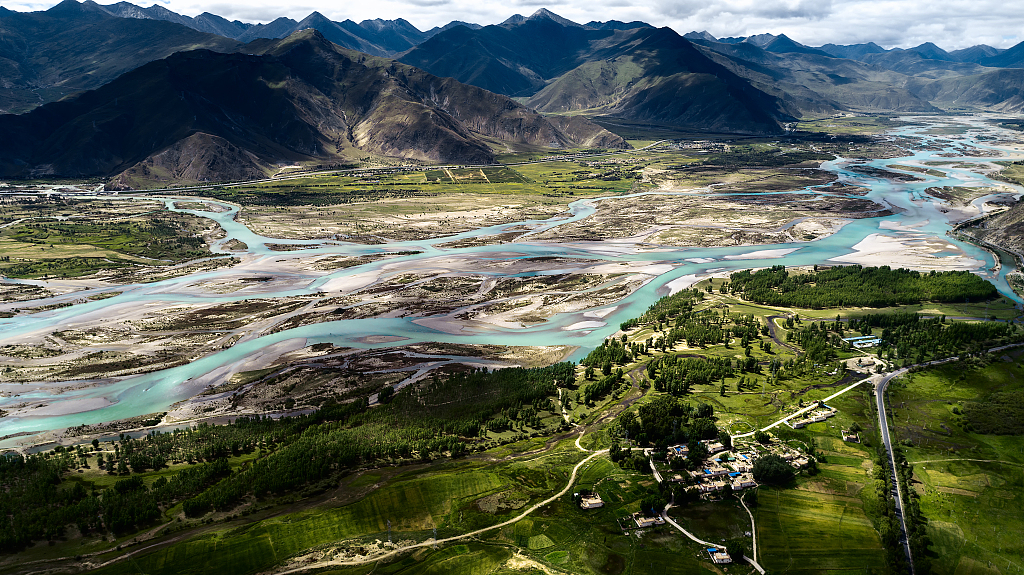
(70, 404)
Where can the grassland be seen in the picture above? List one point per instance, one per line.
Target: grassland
(970, 485)
(823, 523)
(858, 125)
(1011, 172)
(52, 244)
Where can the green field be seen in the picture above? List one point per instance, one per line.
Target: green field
(970, 485)
(827, 522)
(71, 248)
(851, 125)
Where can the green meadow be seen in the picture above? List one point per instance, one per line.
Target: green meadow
(970, 484)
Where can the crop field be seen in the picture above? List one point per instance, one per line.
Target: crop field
(42, 247)
(825, 524)
(860, 125)
(969, 484)
(808, 532)
(1011, 172)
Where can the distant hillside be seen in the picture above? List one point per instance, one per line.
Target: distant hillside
(1010, 58)
(515, 58)
(852, 51)
(811, 84)
(656, 75)
(643, 74)
(204, 22)
(298, 99)
(378, 37)
(45, 56)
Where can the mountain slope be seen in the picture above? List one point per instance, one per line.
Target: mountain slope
(998, 90)
(298, 99)
(658, 76)
(39, 64)
(976, 54)
(204, 22)
(515, 59)
(1010, 58)
(814, 85)
(644, 74)
(782, 44)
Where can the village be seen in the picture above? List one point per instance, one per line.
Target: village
(726, 470)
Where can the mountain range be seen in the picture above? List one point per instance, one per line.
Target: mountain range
(298, 99)
(117, 101)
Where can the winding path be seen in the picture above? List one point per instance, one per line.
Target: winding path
(432, 542)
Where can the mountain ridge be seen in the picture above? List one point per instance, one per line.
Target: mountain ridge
(298, 99)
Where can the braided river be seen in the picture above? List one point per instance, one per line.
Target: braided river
(917, 217)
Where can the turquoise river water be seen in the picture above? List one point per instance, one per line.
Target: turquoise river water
(75, 403)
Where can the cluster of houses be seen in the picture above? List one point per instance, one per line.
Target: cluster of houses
(701, 146)
(722, 469)
(792, 456)
(821, 414)
(734, 468)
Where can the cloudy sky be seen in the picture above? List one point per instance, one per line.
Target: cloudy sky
(951, 24)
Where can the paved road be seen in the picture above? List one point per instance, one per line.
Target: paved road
(883, 425)
(670, 521)
(657, 474)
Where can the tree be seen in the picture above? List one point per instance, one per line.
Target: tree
(697, 454)
(386, 394)
(762, 437)
(772, 470)
(736, 548)
(652, 504)
(750, 498)
(725, 439)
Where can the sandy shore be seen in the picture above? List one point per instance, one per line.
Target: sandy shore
(913, 252)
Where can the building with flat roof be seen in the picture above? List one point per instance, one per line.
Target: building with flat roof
(644, 522)
(591, 501)
(719, 556)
